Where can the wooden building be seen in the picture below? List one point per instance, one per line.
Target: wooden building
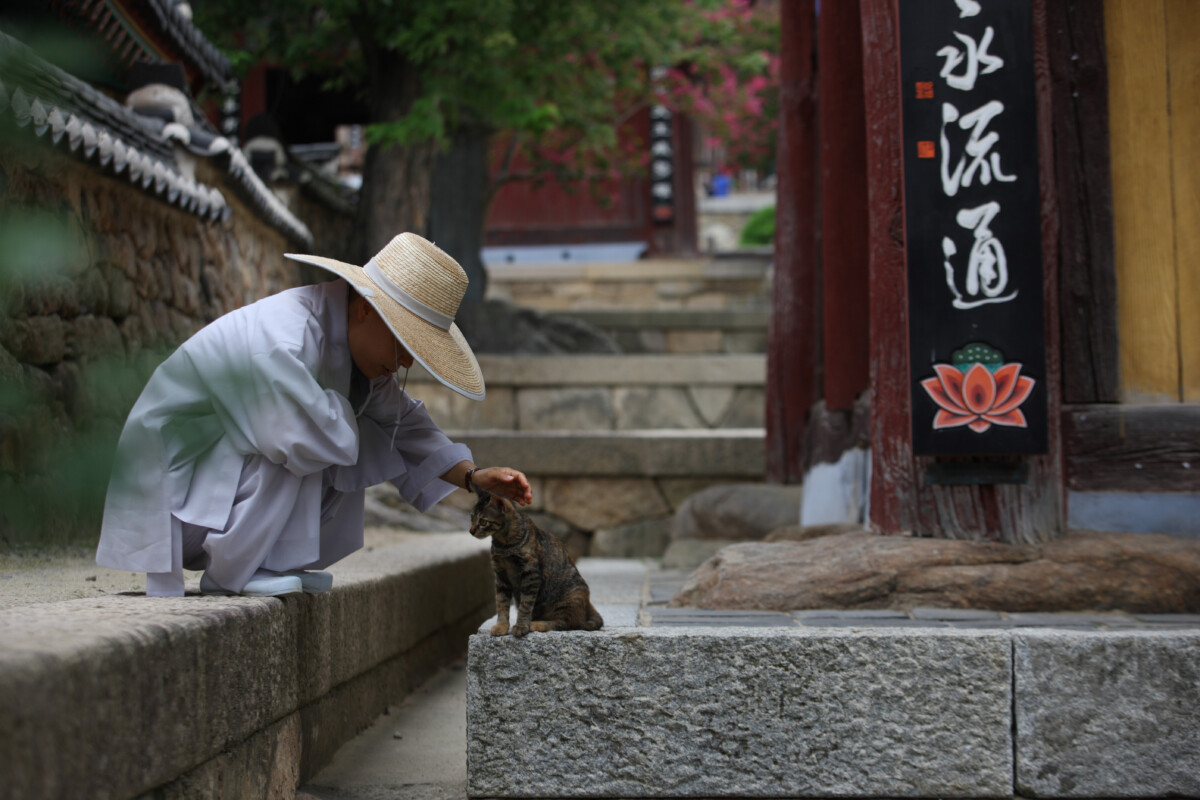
(986, 265)
(656, 209)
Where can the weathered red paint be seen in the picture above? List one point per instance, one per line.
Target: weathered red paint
(842, 127)
(791, 343)
(618, 210)
(893, 483)
(1048, 475)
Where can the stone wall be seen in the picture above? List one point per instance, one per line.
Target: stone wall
(737, 283)
(98, 282)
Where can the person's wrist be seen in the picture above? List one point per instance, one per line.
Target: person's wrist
(467, 480)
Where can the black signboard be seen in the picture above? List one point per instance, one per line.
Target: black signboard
(662, 165)
(973, 227)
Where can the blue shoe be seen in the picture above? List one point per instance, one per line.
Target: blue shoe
(313, 582)
(261, 584)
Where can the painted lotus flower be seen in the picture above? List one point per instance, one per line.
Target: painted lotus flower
(978, 397)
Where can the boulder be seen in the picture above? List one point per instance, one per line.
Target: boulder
(802, 533)
(1146, 573)
(737, 512)
(685, 554)
(645, 538)
(498, 326)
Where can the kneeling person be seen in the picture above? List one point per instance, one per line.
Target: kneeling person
(249, 451)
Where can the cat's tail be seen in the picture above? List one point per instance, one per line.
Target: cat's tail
(594, 620)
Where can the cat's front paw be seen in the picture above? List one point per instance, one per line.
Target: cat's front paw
(520, 629)
(499, 629)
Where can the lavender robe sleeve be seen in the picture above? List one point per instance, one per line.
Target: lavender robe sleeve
(283, 413)
(399, 443)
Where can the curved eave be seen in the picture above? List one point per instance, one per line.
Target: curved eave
(69, 114)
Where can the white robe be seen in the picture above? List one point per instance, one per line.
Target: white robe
(265, 387)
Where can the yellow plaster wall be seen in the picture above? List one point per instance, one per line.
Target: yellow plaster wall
(1154, 107)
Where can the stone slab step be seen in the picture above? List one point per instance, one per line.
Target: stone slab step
(675, 319)
(226, 696)
(740, 712)
(734, 453)
(739, 369)
(604, 392)
(676, 331)
(833, 703)
(735, 267)
(741, 282)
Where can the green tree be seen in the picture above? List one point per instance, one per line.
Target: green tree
(447, 81)
(727, 80)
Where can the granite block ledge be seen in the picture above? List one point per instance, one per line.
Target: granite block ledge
(675, 705)
(1107, 715)
(125, 695)
(736, 712)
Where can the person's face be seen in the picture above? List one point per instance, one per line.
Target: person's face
(374, 349)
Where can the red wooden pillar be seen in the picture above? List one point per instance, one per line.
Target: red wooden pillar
(791, 341)
(843, 203)
(893, 488)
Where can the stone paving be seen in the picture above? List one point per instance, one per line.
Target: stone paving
(661, 586)
(633, 593)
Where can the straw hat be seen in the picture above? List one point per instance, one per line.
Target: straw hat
(417, 287)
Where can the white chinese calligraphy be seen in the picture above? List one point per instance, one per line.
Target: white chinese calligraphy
(974, 56)
(987, 266)
(977, 149)
(967, 8)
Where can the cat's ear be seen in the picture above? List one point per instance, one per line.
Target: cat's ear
(501, 502)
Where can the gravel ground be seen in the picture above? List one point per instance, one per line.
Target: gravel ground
(29, 578)
(50, 576)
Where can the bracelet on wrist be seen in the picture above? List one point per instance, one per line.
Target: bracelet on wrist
(467, 480)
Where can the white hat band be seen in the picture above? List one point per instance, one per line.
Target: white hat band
(430, 315)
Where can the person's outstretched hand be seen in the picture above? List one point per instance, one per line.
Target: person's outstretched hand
(504, 481)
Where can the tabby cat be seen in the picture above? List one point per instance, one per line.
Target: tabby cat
(534, 568)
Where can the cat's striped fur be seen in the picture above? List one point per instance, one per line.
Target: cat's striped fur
(534, 569)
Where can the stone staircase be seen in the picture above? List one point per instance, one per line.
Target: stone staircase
(615, 443)
(612, 444)
(734, 281)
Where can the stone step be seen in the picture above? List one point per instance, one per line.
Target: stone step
(738, 282)
(123, 696)
(604, 393)
(503, 371)
(676, 319)
(863, 704)
(681, 331)
(736, 454)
